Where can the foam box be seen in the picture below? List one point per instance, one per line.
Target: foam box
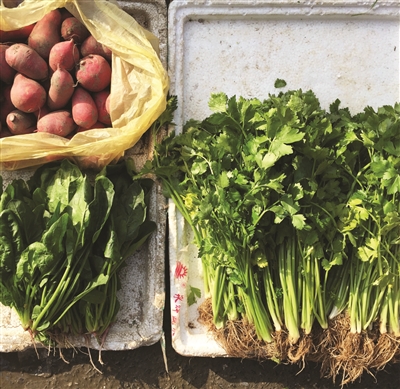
(340, 49)
(142, 295)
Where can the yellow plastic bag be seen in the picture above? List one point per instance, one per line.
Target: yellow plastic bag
(139, 87)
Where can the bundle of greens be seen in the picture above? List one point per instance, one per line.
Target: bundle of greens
(295, 213)
(63, 239)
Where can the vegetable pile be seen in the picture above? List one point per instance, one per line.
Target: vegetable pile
(54, 78)
(295, 213)
(63, 239)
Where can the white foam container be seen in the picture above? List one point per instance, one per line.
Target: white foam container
(142, 295)
(340, 49)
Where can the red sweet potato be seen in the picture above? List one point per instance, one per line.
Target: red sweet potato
(94, 73)
(27, 61)
(72, 28)
(57, 123)
(61, 89)
(46, 33)
(66, 54)
(11, 3)
(19, 35)
(19, 122)
(26, 94)
(84, 110)
(100, 99)
(7, 73)
(6, 105)
(91, 46)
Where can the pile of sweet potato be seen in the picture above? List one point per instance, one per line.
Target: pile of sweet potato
(54, 78)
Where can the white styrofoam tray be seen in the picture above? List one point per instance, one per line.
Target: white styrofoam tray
(340, 49)
(142, 296)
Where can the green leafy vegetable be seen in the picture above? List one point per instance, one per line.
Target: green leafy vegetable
(63, 238)
(295, 213)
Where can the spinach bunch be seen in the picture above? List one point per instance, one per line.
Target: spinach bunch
(63, 237)
(126, 230)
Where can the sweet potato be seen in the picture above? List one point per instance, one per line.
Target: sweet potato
(66, 54)
(61, 89)
(7, 73)
(84, 110)
(46, 33)
(26, 94)
(19, 122)
(57, 123)
(100, 99)
(91, 46)
(6, 105)
(19, 35)
(11, 3)
(27, 61)
(94, 73)
(72, 28)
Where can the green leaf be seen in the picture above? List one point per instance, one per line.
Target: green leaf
(218, 102)
(298, 221)
(369, 251)
(199, 168)
(36, 256)
(60, 183)
(279, 83)
(289, 134)
(223, 180)
(167, 116)
(147, 228)
(193, 295)
(37, 309)
(46, 324)
(96, 296)
(7, 297)
(268, 160)
(280, 149)
(296, 103)
(289, 205)
(53, 239)
(11, 243)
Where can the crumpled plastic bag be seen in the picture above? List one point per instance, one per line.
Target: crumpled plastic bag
(139, 87)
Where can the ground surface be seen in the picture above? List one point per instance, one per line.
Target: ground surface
(144, 368)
